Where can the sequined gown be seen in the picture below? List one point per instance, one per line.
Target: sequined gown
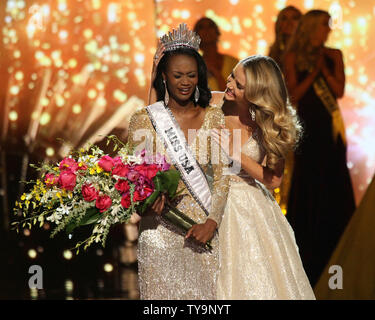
(259, 258)
(170, 267)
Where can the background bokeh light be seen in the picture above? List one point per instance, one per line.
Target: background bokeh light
(74, 69)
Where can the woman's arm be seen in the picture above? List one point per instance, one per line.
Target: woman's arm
(152, 96)
(270, 178)
(220, 188)
(298, 89)
(335, 80)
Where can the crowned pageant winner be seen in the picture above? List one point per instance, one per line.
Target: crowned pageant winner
(172, 266)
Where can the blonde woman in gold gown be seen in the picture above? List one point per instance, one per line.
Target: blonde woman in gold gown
(259, 258)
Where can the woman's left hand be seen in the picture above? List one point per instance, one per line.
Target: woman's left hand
(157, 57)
(202, 232)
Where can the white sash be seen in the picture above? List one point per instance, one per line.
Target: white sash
(181, 156)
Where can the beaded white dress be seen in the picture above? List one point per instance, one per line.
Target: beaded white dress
(170, 267)
(259, 258)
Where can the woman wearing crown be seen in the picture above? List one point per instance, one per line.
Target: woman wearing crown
(170, 265)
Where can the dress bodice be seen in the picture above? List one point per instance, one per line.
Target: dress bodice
(253, 149)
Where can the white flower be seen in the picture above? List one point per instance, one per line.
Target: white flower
(63, 209)
(55, 217)
(115, 210)
(133, 159)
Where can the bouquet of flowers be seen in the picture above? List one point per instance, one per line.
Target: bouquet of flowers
(91, 188)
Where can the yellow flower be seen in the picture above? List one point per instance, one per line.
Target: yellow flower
(98, 169)
(23, 197)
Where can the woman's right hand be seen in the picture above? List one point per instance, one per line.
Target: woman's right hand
(320, 63)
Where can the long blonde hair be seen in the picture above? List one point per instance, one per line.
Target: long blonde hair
(300, 43)
(277, 119)
(279, 46)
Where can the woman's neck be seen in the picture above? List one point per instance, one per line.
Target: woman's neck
(210, 50)
(181, 107)
(240, 111)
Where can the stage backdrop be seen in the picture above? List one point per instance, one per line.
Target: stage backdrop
(74, 69)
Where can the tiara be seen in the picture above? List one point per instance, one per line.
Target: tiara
(182, 37)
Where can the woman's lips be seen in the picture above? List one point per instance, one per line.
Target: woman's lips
(229, 93)
(185, 91)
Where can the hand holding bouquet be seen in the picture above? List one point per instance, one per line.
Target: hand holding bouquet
(91, 188)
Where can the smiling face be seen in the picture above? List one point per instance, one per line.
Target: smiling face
(236, 83)
(182, 77)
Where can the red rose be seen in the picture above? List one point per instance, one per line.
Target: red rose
(82, 166)
(106, 163)
(148, 171)
(103, 202)
(68, 164)
(89, 192)
(50, 179)
(140, 195)
(67, 180)
(120, 169)
(122, 186)
(125, 200)
(152, 170)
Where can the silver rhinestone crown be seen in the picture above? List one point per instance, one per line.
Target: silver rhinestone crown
(182, 37)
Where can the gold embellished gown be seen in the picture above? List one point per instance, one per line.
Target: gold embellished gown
(259, 258)
(170, 267)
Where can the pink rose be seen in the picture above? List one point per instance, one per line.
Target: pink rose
(89, 192)
(68, 164)
(117, 160)
(122, 186)
(103, 202)
(50, 179)
(133, 175)
(125, 200)
(67, 180)
(120, 169)
(106, 163)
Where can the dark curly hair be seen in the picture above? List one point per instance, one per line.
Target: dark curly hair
(204, 91)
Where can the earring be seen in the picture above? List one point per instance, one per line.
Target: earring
(252, 113)
(196, 94)
(166, 95)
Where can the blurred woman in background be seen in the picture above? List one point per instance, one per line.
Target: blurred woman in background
(286, 24)
(321, 198)
(219, 65)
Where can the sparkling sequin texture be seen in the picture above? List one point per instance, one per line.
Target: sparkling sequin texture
(259, 258)
(170, 267)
